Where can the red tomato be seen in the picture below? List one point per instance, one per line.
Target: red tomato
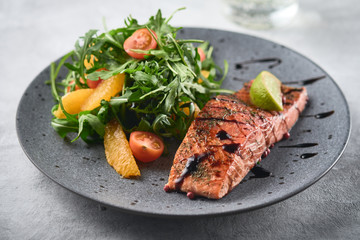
(94, 84)
(202, 54)
(140, 39)
(76, 86)
(146, 146)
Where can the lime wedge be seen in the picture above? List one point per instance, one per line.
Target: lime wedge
(265, 92)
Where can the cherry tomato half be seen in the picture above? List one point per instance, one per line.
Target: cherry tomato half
(202, 54)
(146, 146)
(94, 84)
(140, 39)
(90, 83)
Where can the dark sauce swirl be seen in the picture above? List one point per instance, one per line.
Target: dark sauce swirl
(273, 62)
(301, 145)
(260, 172)
(223, 135)
(321, 115)
(306, 81)
(231, 148)
(308, 155)
(191, 166)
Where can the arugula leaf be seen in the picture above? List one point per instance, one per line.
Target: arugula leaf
(93, 122)
(104, 114)
(161, 122)
(54, 71)
(154, 88)
(63, 126)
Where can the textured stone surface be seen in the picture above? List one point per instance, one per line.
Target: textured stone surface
(34, 33)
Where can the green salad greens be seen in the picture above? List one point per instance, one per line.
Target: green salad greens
(156, 89)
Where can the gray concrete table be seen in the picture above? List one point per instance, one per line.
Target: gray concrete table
(34, 33)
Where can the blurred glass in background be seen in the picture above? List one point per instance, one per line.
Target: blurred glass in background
(261, 14)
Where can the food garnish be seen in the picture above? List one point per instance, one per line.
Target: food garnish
(104, 91)
(265, 92)
(72, 102)
(146, 146)
(141, 39)
(118, 152)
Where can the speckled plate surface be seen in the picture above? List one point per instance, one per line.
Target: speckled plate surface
(83, 168)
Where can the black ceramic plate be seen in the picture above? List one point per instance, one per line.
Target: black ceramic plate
(83, 169)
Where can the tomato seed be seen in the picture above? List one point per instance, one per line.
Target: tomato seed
(155, 145)
(141, 137)
(144, 40)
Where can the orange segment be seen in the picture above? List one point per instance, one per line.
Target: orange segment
(205, 73)
(118, 152)
(105, 90)
(186, 110)
(73, 101)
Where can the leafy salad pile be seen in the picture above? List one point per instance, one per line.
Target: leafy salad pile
(156, 89)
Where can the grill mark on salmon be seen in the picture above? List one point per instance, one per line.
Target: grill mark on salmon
(227, 139)
(220, 120)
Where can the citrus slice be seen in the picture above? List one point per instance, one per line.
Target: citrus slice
(73, 101)
(105, 90)
(205, 73)
(186, 109)
(118, 152)
(265, 92)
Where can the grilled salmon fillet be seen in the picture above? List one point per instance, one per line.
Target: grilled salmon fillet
(227, 139)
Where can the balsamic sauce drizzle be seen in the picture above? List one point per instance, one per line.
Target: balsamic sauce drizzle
(306, 81)
(223, 135)
(191, 166)
(231, 148)
(240, 79)
(308, 155)
(299, 82)
(301, 145)
(324, 115)
(321, 115)
(273, 62)
(260, 172)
